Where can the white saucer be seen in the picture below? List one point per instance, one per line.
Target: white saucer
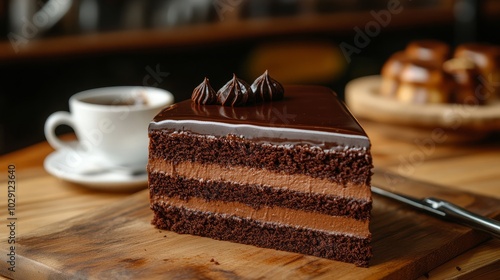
(74, 167)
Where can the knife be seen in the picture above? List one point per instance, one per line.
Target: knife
(445, 210)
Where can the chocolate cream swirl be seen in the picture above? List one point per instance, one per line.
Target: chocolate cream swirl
(204, 94)
(235, 93)
(267, 88)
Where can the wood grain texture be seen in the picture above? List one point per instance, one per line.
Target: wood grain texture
(118, 242)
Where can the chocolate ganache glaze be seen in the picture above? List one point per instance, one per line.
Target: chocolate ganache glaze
(204, 94)
(267, 88)
(307, 115)
(235, 93)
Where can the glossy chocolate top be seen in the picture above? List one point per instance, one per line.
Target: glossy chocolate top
(428, 50)
(485, 56)
(310, 115)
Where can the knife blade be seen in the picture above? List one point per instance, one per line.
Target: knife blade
(445, 210)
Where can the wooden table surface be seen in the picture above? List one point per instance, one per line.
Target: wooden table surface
(473, 167)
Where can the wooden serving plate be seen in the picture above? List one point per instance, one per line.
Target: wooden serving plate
(413, 121)
(118, 242)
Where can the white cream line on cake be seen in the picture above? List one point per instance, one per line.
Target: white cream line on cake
(207, 128)
(276, 215)
(247, 176)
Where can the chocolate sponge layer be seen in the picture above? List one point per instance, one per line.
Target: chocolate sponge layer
(267, 235)
(340, 166)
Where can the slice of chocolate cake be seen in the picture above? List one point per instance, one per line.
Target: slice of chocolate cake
(286, 172)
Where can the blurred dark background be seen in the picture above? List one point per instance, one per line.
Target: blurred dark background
(52, 49)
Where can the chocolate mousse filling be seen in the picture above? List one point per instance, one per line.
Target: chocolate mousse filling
(258, 188)
(284, 216)
(253, 176)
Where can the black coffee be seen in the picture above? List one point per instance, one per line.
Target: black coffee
(112, 101)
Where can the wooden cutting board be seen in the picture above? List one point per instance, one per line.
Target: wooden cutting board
(118, 242)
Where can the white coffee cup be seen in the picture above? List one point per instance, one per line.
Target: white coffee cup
(111, 125)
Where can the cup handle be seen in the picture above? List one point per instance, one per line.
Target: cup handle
(52, 122)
